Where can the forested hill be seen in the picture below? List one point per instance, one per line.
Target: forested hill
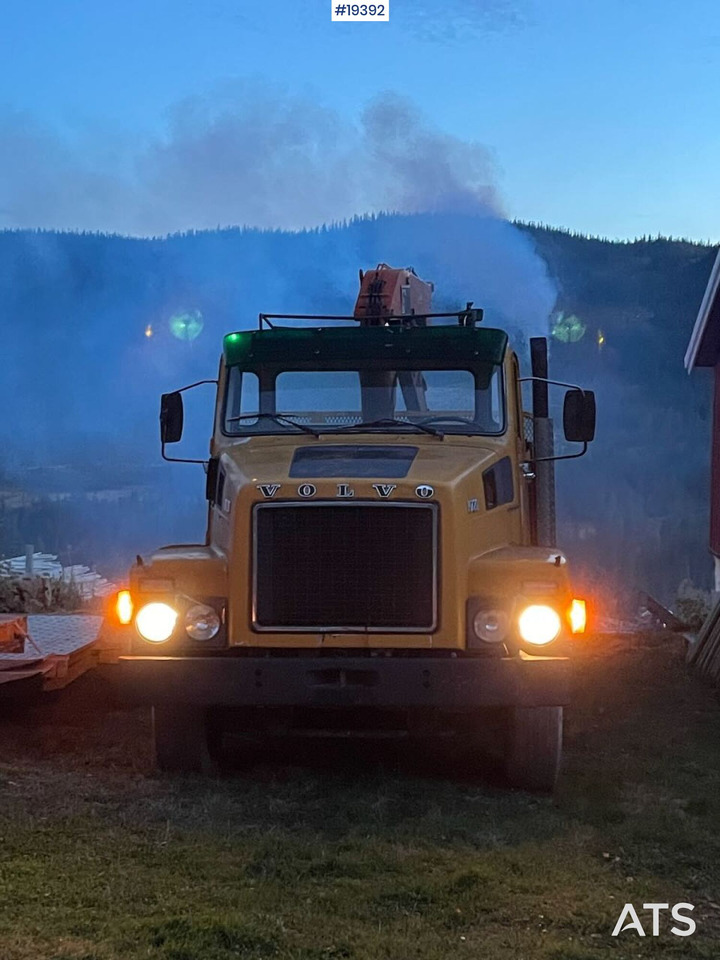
(637, 505)
(95, 327)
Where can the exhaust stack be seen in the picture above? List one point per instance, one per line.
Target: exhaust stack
(544, 443)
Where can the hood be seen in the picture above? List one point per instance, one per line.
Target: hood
(269, 460)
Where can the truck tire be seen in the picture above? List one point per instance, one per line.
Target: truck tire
(182, 740)
(534, 750)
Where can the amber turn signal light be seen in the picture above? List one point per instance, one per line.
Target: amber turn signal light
(124, 607)
(577, 615)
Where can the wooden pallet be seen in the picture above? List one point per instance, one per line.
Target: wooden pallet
(57, 650)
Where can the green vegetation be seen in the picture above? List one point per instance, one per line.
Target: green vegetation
(694, 606)
(365, 855)
(38, 595)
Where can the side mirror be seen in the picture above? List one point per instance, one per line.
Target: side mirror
(171, 417)
(579, 416)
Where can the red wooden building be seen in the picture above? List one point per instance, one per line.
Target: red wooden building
(704, 351)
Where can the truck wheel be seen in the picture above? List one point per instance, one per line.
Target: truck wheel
(532, 760)
(182, 740)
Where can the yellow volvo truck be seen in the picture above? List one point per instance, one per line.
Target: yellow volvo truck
(375, 556)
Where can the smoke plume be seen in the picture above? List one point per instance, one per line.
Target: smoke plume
(246, 154)
(87, 321)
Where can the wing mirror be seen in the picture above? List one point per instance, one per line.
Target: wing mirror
(579, 416)
(171, 417)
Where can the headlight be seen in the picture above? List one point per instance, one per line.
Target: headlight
(539, 624)
(491, 625)
(155, 622)
(201, 622)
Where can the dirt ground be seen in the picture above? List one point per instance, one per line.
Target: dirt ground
(363, 853)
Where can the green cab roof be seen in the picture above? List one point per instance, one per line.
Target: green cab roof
(387, 346)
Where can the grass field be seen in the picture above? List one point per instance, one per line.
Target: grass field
(363, 854)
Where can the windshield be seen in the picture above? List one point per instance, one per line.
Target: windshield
(457, 401)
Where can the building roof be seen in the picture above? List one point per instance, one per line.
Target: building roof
(704, 347)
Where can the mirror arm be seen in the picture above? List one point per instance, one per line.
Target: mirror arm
(198, 383)
(566, 456)
(557, 383)
(179, 459)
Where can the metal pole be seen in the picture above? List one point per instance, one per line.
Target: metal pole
(544, 444)
(29, 559)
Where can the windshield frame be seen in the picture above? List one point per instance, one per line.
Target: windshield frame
(267, 373)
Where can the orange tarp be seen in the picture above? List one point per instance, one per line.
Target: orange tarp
(13, 633)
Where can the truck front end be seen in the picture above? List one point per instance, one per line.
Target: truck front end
(370, 561)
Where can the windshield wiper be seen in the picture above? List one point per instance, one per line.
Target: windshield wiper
(390, 422)
(276, 418)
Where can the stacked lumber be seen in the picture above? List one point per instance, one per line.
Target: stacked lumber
(87, 581)
(43, 565)
(704, 650)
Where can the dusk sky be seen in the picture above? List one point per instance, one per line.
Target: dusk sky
(599, 117)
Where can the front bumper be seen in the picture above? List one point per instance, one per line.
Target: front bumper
(444, 683)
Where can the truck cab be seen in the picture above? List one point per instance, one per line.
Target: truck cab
(373, 557)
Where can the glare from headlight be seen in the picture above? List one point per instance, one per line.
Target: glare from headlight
(539, 624)
(201, 622)
(155, 622)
